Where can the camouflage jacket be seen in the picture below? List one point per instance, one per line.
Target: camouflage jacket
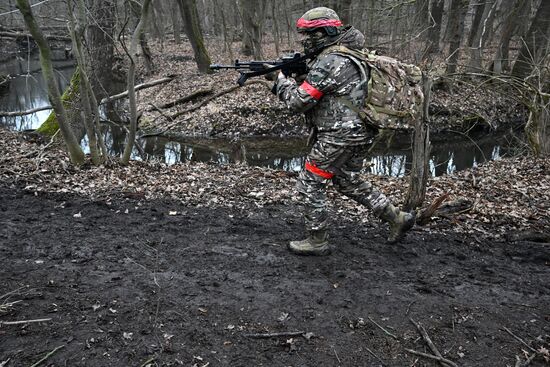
(332, 76)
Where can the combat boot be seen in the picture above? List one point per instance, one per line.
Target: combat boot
(316, 244)
(400, 222)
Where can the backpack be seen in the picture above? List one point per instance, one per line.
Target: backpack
(394, 96)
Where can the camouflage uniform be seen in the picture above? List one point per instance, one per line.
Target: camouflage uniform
(336, 80)
(342, 138)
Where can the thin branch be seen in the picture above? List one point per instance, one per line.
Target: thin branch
(375, 356)
(47, 355)
(382, 328)
(21, 322)
(431, 345)
(275, 335)
(431, 356)
(136, 88)
(520, 340)
(23, 113)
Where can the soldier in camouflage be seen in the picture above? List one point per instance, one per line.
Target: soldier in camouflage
(342, 139)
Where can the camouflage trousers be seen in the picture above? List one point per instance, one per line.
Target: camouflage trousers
(340, 164)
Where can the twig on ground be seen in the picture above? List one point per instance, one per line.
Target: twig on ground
(336, 354)
(427, 213)
(159, 110)
(383, 329)
(20, 322)
(375, 356)
(527, 362)
(441, 360)
(409, 308)
(5, 306)
(520, 340)
(432, 346)
(275, 335)
(148, 361)
(47, 356)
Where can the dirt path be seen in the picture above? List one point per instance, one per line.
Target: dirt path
(123, 288)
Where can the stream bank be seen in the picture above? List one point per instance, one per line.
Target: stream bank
(181, 264)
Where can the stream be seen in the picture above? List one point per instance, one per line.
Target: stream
(26, 90)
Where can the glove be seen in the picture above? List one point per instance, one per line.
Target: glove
(300, 78)
(271, 76)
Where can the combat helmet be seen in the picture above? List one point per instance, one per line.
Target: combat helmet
(320, 25)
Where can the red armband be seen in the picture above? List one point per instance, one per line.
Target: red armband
(311, 90)
(317, 171)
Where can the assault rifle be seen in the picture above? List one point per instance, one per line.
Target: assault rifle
(291, 65)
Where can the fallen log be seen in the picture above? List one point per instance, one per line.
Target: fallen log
(440, 208)
(199, 105)
(28, 35)
(187, 98)
(138, 87)
(23, 113)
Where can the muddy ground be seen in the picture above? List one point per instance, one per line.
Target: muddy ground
(187, 265)
(124, 283)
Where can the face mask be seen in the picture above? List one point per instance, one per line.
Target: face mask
(311, 41)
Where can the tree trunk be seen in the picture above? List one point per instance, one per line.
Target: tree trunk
(227, 43)
(344, 11)
(275, 26)
(457, 12)
(100, 36)
(253, 14)
(190, 16)
(157, 22)
(537, 128)
(435, 28)
(480, 35)
(176, 25)
(76, 154)
(71, 103)
(500, 61)
(421, 153)
(132, 54)
(147, 55)
(535, 44)
(289, 29)
(77, 33)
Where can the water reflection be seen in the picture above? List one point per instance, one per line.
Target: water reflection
(289, 154)
(27, 90)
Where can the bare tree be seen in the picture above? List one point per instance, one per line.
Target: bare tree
(188, 9)
(510, 24)
(132, 53)
(436, 16)
(76, 154)
(176, 25)
(480, 33)
(535, 43)
(88, 100)
(455, 26)
(253, 16)
(100, 44)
